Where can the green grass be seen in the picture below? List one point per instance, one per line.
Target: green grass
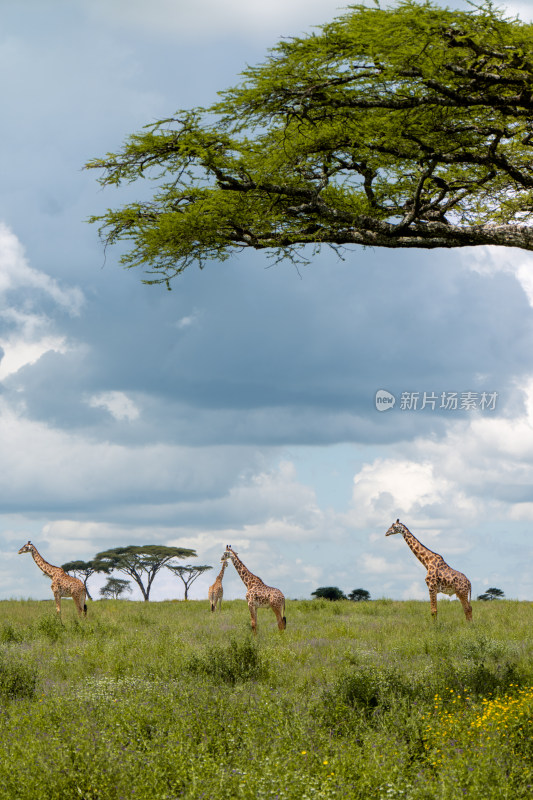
(164, 701)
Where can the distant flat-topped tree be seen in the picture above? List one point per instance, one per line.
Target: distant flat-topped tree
(188, 574)
(491, 594)
(400, 127)
(115, 587)
(329, 593)
(140, 562)
(359, 595)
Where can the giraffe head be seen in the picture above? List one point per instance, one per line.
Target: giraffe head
(396, 527)
(227, 554)
(26, 548)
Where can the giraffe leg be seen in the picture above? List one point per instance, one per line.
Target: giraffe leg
(78, 595)
(253, 617)
(83, 604)
(433, 603)
(57, 598)
(78, 602)
(467, 608)
(282, 622)
(82, 608)
(432, 588)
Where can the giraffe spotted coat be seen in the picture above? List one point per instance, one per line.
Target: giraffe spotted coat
(440, 576)
(63, 585)
(258, 594)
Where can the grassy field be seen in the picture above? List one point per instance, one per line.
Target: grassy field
(160, 701)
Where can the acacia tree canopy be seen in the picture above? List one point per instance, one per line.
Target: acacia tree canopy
(140, 562)
(492, 594)
(188, 574)
(359, 595)
(403, 127)
(115, 587)
(329, 593)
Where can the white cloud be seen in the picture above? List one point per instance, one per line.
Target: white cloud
(489, 451)
(377, 565)
(442, 488)
(16, 273)
(28, 341)
(262, 504)
(520, 7)
(29, 333)
(61, 469)
(417, 591)
(209, 18)
(119, 405)
(390, 488)
(307, 574)
(19, 353)
(254, 19)
(189, 320)
(490, 260)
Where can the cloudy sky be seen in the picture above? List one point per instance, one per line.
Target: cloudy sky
(240, 407)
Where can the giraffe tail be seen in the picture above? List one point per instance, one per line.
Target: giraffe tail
(85, 609)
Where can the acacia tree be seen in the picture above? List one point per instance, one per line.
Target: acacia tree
(140, 562)
(115, 587)
(329, 593)
(403, 127)
(80, 569)
(187, 574)
(359, 595)
(491, 594)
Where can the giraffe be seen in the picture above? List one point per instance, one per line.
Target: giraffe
(216, 592)
(440, 576)
(63, 585)
(258, 594)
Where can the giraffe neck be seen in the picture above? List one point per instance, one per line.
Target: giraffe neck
(424, 554)
(43, 565)
(247, 577)
(221, 573)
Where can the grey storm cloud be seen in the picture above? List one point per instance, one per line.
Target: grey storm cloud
(273, 357)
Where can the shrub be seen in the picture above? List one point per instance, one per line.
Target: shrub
(477, 678)
(366, 691)
(51, 627)
(17, 679)
(234, 663)
(10, 634)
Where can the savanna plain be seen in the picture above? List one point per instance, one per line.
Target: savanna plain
(159, 701)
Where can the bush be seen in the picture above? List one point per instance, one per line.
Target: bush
(51, 627)
(17, 680)
(367, 691)
(477, 678)
(10, 634)
(237, 662)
